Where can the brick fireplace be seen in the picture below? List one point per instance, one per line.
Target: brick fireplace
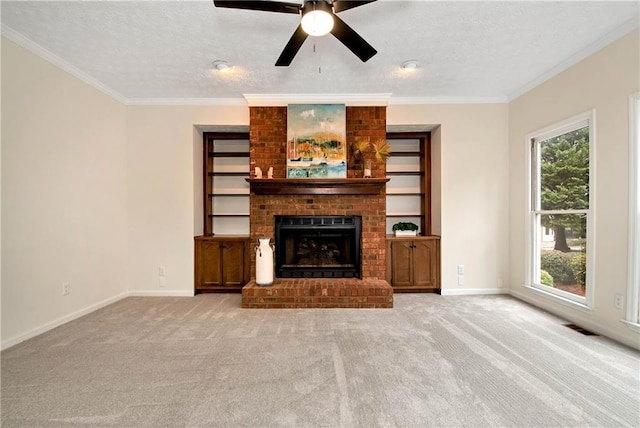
(268, 135)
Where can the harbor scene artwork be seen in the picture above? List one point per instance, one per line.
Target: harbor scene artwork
(316, 141)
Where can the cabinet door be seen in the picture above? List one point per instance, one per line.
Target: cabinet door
(425, 264)
(208, 264)
(401, 263)
(233, 263)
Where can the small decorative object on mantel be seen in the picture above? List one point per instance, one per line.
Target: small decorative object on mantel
(405, 229)
(258, 172)
(270, 172)
(264, 262)
(367, 168)
(378, 150)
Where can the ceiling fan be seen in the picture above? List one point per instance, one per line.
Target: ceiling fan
(318, 18)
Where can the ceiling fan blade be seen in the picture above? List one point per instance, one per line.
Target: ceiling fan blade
(352, 40)
(292, 48)
(264, 5)
(340, 5)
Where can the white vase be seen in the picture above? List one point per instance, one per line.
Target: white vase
(264, 262)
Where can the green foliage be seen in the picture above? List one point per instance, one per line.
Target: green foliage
(546, 278)
(579, 267)
(564, 171)
(564, 182)
(564, 168)
(558, 265)
(405, 226)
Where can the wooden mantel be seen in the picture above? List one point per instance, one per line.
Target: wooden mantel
(316, 186)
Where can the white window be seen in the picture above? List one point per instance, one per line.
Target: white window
(560, 229)
(633, 288)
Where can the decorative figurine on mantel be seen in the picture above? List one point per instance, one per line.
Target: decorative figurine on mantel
(270, 172)
(368, 151)
(258, 172)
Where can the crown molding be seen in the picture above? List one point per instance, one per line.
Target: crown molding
(447, 100)
(227, 102)
(49, 56)
(607, 39)
(282, 100)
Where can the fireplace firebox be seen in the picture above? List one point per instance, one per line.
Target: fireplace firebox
(318, 246)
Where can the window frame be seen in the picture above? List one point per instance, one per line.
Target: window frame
(533, 212)
(632, 315)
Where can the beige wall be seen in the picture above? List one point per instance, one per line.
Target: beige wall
(63, 195)
(471, 143)
(163, 207)
(164, 179)
(602, 82)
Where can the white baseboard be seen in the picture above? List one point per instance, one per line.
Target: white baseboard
(91, 308)
(576, 317)
(472, 291)
(161, 293)
(58, 322)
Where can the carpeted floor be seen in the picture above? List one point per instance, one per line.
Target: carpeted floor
(432, 361)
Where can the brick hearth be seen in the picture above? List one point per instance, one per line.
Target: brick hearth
(318, 293)
(268, 135)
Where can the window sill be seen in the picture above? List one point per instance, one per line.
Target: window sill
(559, 299)
(631, 325)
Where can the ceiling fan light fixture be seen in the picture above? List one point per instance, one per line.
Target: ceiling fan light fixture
(317, 18)
(221, 66)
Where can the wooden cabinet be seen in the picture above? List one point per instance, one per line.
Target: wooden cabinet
(222, 264)
(413, 264)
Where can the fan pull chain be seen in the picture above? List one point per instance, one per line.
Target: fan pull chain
(319, 65)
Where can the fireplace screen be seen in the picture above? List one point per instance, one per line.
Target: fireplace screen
(318, 246)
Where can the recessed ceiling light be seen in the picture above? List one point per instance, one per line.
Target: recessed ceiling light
(410, 65)
(221, 66)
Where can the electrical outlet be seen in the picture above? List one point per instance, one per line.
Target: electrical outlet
(619, 301)
(66, 288)
(460, 279)
(162, 281)
(162, 271)
(460, 269)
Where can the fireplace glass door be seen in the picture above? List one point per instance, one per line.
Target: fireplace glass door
(318, 246)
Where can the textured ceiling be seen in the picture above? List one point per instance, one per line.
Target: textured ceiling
(163, 50)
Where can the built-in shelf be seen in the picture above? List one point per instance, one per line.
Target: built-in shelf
(408, 173)
(228, 154)
(226, 196)
(408, 192)
(409, 154)
(315, 186)
(228, 174)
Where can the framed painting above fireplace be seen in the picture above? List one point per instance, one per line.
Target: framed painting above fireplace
(316, 141)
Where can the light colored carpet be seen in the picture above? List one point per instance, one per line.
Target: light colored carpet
(432, 361)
